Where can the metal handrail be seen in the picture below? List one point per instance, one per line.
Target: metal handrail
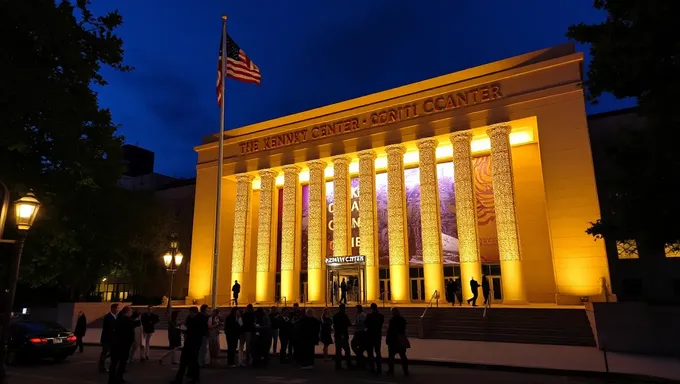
(435, 296)
(300, 299)
(285, 301)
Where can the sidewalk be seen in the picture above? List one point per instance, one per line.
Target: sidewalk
(511, 355)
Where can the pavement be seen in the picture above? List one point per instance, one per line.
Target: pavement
(82, 369)
(515, 357)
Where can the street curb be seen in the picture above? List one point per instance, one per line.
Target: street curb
(616, 376)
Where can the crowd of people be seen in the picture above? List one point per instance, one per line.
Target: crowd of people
(254, 337)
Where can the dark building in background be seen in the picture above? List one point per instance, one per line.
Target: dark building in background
(638, 271)
(138, 161)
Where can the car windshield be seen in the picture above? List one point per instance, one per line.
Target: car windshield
(38, 327)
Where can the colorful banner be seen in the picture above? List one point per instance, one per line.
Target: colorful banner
(486, 213)
(381, 205)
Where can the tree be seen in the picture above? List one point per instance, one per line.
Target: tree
(636, 53)
(55, 138)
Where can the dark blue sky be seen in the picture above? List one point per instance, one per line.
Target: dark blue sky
(311, 53)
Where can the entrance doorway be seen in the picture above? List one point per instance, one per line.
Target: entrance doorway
(417, 283)
(351, 271)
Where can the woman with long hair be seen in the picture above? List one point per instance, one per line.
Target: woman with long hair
(326, 329)
(214, 337)
(137, 344)
(174, 337)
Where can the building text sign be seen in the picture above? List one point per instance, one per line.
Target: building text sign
(345, 259)
(403, 112)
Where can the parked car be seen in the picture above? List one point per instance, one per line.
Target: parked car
(34, 340)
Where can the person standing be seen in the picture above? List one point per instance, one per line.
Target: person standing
(397, 342)
(293, 341)
(309, 332)
(124, 337)
(474, 287)
(274, 317)
(197, 327)
(341, 323)
(359, 339)
(174, 337)
(343, 292)
(459, 291)
(137, 341)
(214, 339)
(236, 289)
(326, 328)
(285, 334)
(261, 338)
(232, 331)
(106, 338)
(149, 321)
(374, 326)
(486, 289)
(246, 338)
(80, 329)
(203, 316)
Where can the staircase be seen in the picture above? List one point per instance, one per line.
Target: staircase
(510, 325)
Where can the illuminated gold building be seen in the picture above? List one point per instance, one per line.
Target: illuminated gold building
(482, 171)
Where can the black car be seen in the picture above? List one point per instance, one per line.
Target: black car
(33, 340)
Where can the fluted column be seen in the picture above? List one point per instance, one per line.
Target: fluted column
(466, 211)
(506, 218)
(289, 223)
(265, 286)
(396, 223)
(430, 220)
(244, 192)
(315, 231)
(368, 226)
(341, 213)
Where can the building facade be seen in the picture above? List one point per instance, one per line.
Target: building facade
(483, 171)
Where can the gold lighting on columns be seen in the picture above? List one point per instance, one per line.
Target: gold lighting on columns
(430, 221)
(288, 229)
(264, 291)
(466, 211)
(341, 214)
(367, 222)
(244, 191)
(506, 219)
(315, 231)
(396, 223)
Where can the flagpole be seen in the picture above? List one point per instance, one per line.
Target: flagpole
(220, 165)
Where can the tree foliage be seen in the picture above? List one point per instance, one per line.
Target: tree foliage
(57, 140)
(636, 54)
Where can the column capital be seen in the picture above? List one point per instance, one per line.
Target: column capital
(461, 137)
(427, 143)
(291, 169)
(341, 159)
(316, 165)
(500, 129)
(395, 149)
(267, 173)
(367, 154)
(244, 178)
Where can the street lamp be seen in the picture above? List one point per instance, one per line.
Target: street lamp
(172, 260)
(25, 211)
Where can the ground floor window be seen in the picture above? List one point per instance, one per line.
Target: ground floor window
(114, 292)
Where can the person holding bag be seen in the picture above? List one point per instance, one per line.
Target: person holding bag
(397, 342)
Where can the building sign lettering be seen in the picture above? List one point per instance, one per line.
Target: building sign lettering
(404, 112)
(345, 259)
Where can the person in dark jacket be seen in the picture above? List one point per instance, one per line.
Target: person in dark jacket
(107, 335)
(274, 316)
(474, 287)
(149, 321)
(232, 330)
(341, 324)
(486, 289)
(326, 330)
(124, 337)
(79, 331)
(310, 327)
(343, 292)
(197, 327)
(374, 325)
(247, 335)
(285, 333)
(174, 337)
(236, 289)
(397, 342)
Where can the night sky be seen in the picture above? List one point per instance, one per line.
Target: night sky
(311, 53)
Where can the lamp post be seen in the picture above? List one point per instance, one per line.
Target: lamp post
(25, 211)
(172, 260)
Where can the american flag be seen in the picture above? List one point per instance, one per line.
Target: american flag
(239, 67)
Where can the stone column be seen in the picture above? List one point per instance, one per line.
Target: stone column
(430, 220)
(244, 192)
(368, 225)
(466, 211)
(396, 224)
(341, 213)
(265, 288)
(289, 223)
(506, 216)
(315, 231)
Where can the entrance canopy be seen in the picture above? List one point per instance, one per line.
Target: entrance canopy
(338, 267)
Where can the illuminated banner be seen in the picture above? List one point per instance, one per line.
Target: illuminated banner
(346, 259)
